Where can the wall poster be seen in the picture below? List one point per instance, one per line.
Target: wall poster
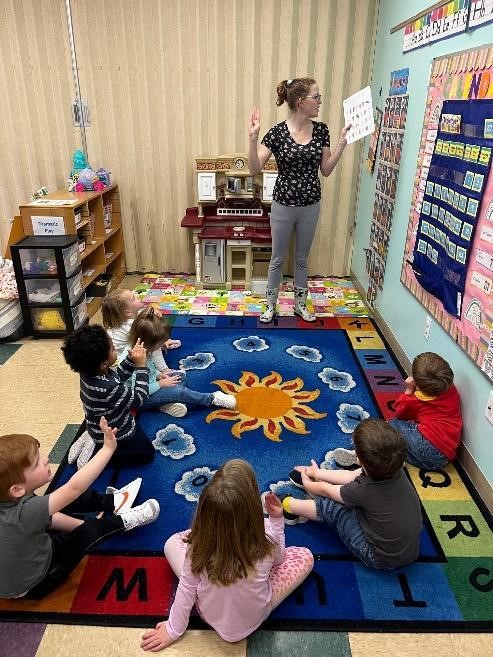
(449, 243)
(392, 134)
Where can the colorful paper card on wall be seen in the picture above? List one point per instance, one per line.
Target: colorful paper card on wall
(398, 82)
(437, 24)
(481, 13)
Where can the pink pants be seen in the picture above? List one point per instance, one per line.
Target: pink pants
(284, 578)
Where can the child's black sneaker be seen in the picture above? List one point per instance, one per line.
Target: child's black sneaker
(295, 478)
(289, 517)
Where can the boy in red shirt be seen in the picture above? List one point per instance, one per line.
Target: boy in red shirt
(428, 415)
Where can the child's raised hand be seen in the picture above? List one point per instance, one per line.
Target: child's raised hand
(138, 353)
(168, 380)
(410, 386)
(273, 505)
(157, 639)
(108, 433)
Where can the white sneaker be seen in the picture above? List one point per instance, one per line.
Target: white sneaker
(140, 515)
(76, 448)
(176, 409)
(86, 452)
(124, 497)
(224, 400)
(344, 457)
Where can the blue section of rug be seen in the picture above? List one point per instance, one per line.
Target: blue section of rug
(301, 390)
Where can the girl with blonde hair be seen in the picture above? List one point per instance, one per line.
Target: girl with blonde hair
(232, 564)
(167, 391)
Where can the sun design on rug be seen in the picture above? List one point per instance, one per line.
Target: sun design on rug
(270, 403)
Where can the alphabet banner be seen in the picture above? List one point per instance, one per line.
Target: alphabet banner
(448, 257)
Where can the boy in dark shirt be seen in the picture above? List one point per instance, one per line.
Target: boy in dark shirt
(41, 542)
(89, 351)
(375, 509)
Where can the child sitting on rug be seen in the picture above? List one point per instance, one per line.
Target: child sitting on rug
(232, 564)
(40, 540)
(428, 415)
(90, 352)
(375, 509)
(119, 309)
(166, 391)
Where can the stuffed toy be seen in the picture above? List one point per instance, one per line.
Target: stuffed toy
(88, 180)
(79, 162)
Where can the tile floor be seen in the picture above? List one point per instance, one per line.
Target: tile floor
(40, 396)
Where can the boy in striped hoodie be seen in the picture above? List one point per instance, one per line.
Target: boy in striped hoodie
(90, 352)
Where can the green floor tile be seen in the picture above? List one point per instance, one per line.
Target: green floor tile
(7, 350)
(63, 443)
(314, 644)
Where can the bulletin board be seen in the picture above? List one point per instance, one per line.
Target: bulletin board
(464, 76)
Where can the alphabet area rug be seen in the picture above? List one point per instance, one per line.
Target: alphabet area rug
(301, 389)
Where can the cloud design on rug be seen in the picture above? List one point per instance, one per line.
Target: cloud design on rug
(285, 488)
(198, 361)
(305, 353)
(251, 343)
(350, 415)
(174, 442)
(342, 381)
(193, 481)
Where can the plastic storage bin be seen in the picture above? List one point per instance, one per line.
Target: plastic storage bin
(75, 287)
(41, 290)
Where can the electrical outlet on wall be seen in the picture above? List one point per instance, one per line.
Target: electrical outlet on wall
(488, 411)
(427, 328)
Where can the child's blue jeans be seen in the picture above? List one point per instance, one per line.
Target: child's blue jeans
(345, 521)
(178, 393)
(420, 452)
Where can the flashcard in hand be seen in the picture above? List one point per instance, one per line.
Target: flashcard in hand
(358, 111)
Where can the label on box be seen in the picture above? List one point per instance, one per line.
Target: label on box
(48, 225)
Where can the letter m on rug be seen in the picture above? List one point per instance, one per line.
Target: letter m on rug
(123, 590)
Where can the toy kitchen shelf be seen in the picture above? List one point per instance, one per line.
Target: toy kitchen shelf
(49, 280)
(231, 225)
(95, 218)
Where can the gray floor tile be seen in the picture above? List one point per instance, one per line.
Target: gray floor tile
(7, 350)
(314, 644)
(63, 443)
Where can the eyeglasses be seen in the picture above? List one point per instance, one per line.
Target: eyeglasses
(317, 97)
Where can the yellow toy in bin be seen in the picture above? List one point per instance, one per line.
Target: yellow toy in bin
(50, 320)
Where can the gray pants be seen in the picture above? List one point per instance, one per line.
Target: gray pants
(283, 220)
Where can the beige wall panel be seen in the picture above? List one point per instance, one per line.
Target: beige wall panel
(37, 137)
(168, 81)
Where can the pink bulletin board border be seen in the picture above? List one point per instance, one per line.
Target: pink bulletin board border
(462, 75)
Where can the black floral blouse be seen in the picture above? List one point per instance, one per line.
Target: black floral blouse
(298, 182)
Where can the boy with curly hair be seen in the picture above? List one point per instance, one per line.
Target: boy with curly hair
(89, 351)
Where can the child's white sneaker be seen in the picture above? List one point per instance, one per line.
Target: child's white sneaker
(176, 409)
(76, 448)
(344, 457)
(86, 452)
(124, 497)
(224, 400)
(140, 515)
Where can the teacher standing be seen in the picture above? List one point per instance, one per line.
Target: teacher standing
(300, 146)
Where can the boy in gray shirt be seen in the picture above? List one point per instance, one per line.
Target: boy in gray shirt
(40, 541)
(374, 509)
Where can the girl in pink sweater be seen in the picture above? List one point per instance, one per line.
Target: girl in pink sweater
(232, 564)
